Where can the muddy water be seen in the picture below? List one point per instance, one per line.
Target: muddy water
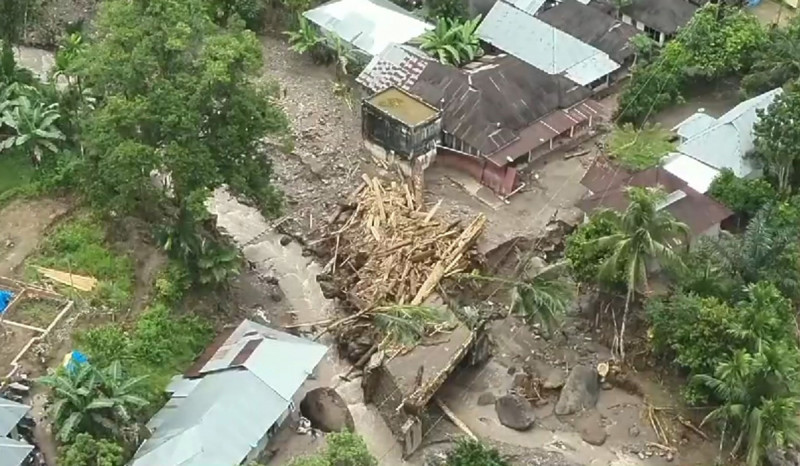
(296, 276)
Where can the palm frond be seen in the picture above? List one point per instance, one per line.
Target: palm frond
(406, 325)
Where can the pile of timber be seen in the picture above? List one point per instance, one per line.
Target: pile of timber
(388, 249)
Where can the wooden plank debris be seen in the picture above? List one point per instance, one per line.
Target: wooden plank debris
(79, 282)
(394, 248)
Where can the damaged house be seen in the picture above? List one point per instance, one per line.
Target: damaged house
(498, 110)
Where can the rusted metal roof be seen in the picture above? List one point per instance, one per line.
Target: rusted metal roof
(549, 127)
(698, 211)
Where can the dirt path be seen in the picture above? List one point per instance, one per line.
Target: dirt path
(23, 225)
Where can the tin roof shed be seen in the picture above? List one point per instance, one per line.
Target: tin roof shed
(368, 25)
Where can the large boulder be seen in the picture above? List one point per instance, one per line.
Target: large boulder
(514, 411)
(592, 430)
(580, 391)
(326, 410)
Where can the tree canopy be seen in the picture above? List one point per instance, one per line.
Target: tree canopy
(719, 41)
(778, 138)
(181, 113)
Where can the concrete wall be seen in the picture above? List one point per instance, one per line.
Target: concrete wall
(501, 180)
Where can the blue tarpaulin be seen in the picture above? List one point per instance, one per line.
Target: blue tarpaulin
(5, 300)
(73, 359)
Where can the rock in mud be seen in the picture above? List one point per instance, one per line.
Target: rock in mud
(520, 380)
(515, 412)
(326, 410)
(554, 380)
(486, 398)
(634, 431)
(580, 391)
(592, 430)
(777, 457)
(285, 240)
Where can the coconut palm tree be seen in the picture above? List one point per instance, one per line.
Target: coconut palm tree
(33, 125)
(644, 233)
(452, 42)
(89, 400)
(759, 402)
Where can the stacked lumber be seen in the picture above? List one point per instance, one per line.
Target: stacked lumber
(391, 250)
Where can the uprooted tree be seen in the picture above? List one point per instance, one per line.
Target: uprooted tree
(180, 114)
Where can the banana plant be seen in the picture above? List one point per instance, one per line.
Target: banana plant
(33, 127)
(452, 42)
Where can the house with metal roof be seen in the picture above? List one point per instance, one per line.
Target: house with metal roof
(368, 25)
(591, 26)
(659, 19)
(227, 406)
(498, 107)
(13, 452)
(513, 27)
(607, 190)
(708, 144)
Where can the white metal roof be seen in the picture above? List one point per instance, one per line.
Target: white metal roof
(695, 173)
(539, 44)
(10, 414)
(727, 142)
(13, 452)
(243, 389)
(693, 125)
(369, 25)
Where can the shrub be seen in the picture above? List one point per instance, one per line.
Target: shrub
(343, 449)
(471, 453)
(85, 450)
(639, 149)
(744, 197)
(583, 255)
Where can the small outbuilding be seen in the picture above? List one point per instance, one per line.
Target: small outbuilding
(399, 127)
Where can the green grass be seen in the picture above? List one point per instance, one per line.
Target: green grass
(16, 171)
(639, 150)
(79, 246)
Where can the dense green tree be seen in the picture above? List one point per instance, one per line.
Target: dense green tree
(643, 234)
(584, 255)
(776, 64)
(719, 41)
(745, 197)
(180, 99)
(778, 138)
(767, 251)
(90, 400)
(14, 16)
(86, 450)
(452, 42)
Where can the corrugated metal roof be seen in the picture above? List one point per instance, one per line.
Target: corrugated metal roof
(219, 418)
(666, 16)
(727, 142)
(396, 65)
(369, 25)
(13, 452)
(697, 210)
(693, 125)
(10, 414)
(602, 31)
(698, 175)
(543, 46)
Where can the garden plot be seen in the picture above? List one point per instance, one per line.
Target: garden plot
(29, 318)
